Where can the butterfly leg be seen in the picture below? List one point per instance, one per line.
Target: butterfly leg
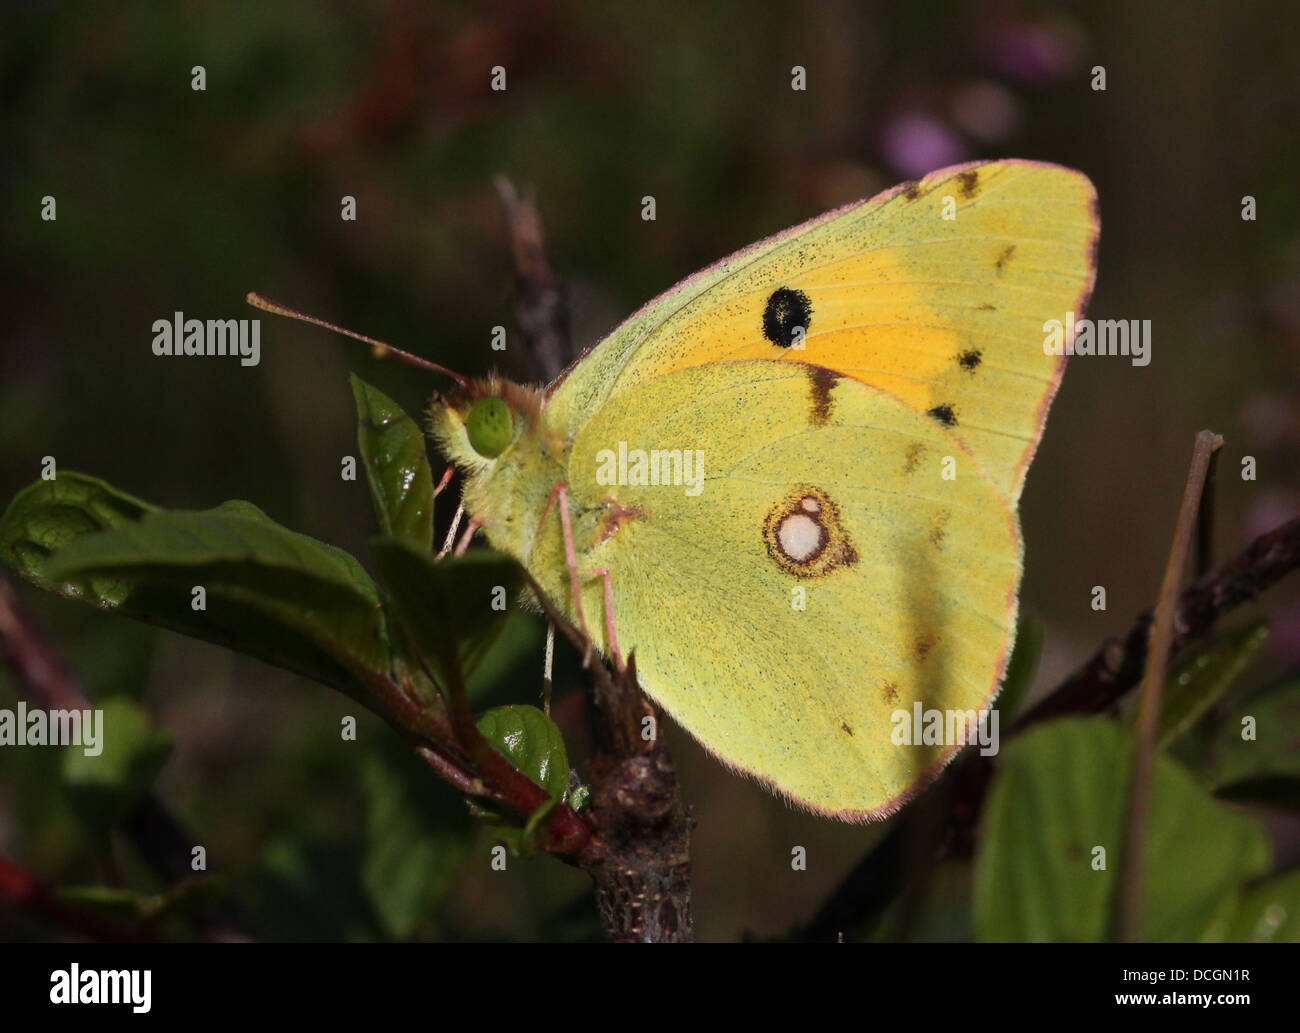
(610, 630)
(561, 500)
(470, 530)
(451, 531)
(447, 475)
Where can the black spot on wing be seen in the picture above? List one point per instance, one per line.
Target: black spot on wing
(944, 414)
(970, 360)
(787, 309)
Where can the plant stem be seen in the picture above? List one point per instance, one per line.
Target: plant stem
(1128, 923)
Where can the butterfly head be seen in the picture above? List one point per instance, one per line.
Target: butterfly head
(475, 424)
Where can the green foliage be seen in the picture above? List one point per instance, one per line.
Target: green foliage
(311, 608)
(270, 592)
(104, 787)
(1201, 679)
(397, 467)
(129, 907)
(446, 607)
(530, 740)
(1269, 912)
(1252, 754)
(1060, 793)
(415, 838)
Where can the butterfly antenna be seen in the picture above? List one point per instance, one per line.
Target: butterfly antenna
(379, 349)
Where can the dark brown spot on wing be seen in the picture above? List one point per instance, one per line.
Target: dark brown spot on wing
(821, 380)
(988, 307)
(968, 183)
(1001, 264)
(912, 189)
(925, 642)
(890, 692)
(939, 529)
(970, 359)
(945, 414)
(844, 725)
(913, 458)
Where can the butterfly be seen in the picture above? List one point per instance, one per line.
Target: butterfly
(789, 484)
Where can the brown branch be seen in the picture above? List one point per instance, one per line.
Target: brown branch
(541, 308)
(1100, 682)
(50, 684)
(639, 856)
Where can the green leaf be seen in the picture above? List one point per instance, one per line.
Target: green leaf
(307, 889)
(270, 592)
(47, 515)
(1268, 913)
(1255, 753)
(124, 906)
(532, 742)
(105, 786)
(1061, 792)
(1198, 681)
(1022, 666)
(397, 466)
(447, 607)
(415, 838)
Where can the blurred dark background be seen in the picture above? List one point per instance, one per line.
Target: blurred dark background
(170, 199)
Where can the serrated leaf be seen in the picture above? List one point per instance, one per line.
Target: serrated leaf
(397, 466)
(446, 607)
(106, 785)
(1198, 681)
(1061, 792)
(532, 742)
(272, 593)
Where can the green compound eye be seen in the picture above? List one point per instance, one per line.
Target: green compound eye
(490, 427)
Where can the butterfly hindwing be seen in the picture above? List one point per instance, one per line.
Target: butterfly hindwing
(822, 576)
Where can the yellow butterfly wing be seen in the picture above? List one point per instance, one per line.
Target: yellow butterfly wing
(826, 577)
(936, 292)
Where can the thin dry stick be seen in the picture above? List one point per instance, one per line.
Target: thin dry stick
(541, 309)
(1129, 915)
